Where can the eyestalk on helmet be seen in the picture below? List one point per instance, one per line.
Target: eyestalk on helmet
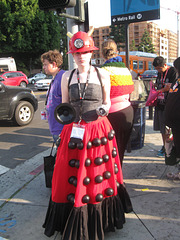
(81, 42)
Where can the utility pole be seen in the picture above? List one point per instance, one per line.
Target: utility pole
(77, 18)
(178, 32)
(72, 27)
(75, 24)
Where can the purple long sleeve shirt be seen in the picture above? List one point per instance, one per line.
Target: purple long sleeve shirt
(54, 99)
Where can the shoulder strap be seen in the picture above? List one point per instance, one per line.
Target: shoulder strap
(70, 77)
(72, 72)
(99, 76)
(52, 147)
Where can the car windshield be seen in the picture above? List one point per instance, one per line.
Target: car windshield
(48, 77)
(31, 75)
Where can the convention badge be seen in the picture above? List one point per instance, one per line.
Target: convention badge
(161, 96)
(77, 131)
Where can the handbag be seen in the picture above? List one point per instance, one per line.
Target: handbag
(49, 162)
(153, 94)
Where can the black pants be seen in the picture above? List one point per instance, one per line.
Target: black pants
(122, 122)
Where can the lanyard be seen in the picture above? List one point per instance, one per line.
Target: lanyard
(82, 93)
(163, 79)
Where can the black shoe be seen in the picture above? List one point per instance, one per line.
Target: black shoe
(162, 150)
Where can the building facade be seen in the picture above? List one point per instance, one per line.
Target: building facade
(165, 42)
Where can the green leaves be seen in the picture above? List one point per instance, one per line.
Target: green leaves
(24, 28)
(146, 43)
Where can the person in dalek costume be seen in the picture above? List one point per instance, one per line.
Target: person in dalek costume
(88, 195)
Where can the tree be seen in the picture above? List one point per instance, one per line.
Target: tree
(146, 43)
(118, 35)
(132, 46)
(26, 32)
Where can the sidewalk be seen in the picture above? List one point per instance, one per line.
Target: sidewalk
(24, 197)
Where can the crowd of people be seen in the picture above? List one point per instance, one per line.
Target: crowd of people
(88, 195)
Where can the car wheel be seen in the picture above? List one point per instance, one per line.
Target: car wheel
(23, 84)
(24, 113)
(33, 81)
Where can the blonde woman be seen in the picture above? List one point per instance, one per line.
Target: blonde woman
(121, 112)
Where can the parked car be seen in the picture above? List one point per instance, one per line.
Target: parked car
(149, 74)
(35, 77)
(43, 84)
(14, 78)
(17, 104)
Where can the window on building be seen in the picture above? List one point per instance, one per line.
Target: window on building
(149, 65)
(135, 64)
(140, 64)
(136, 27)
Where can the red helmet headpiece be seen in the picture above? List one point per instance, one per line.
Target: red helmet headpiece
(81, 42)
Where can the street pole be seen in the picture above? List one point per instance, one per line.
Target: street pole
(178, 32)
(127, 45)
(74, 25)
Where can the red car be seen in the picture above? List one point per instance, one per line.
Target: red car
(14, 78)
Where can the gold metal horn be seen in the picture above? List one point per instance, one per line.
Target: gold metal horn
(69, 34)
(91, 30)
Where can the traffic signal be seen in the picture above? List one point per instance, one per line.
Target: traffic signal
(56, 4)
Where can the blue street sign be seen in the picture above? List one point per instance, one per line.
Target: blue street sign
(128, 11)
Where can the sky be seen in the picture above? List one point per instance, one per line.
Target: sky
(99, 14)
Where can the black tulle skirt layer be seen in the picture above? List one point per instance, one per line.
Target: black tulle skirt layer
(88, 222)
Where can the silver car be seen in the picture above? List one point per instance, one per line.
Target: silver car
(35, 77)
(43, 84)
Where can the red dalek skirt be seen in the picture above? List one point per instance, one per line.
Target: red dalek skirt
(88, 195)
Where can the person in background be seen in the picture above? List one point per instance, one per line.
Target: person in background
(88, 194)
(166, 76)
(172, 115)
(121, 113)
(138, 77)
(52, 61)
